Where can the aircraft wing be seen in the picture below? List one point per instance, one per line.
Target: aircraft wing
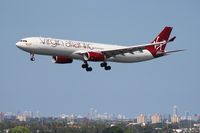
(132, 49)
(123, 50)
(129, 49)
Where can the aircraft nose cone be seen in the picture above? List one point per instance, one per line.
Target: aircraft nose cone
(18, 44)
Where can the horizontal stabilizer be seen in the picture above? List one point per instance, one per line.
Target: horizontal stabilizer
(172, 39)
(168, 52)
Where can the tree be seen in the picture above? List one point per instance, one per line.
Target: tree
(113, 129)
(19, 129)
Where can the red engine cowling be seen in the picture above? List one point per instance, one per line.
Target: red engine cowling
(93, 56)
(62, 59)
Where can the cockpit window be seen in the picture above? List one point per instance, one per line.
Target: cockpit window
(23, 40)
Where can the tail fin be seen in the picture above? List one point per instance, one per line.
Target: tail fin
(163, 36)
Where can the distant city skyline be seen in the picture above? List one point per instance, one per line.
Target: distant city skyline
(93, 114)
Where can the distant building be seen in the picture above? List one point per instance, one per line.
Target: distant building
(195, 117)
(1, 116)
(9, 116)
(28, 114)
(187, 115)
(121, 117)
(175, 110)
(38, 115)
(21, 117)
(141, 119)
(62, 116)
(175, 118)
(92, 113)
(156, 118)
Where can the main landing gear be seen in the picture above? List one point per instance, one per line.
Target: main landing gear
(86, 67)
(32, 57)
(105, 65)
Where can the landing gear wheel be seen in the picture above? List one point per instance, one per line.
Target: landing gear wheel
(84, 65)
(32, 59)
(107, 67)
(104, 64)
(89, 69)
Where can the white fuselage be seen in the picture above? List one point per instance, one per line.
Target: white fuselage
(69, 48)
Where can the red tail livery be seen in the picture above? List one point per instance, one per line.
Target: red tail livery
(159, 49)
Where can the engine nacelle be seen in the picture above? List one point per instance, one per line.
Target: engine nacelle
(94, 56)
(62, 59)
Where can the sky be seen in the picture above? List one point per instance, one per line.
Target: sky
(130, 89)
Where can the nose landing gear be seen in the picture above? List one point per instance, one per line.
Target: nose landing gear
(32, 57)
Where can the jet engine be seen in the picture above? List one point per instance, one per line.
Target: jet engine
(62, 59)
(93, 56)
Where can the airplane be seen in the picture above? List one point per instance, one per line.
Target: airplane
(65, 51)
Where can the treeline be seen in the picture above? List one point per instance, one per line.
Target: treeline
(85, 126)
